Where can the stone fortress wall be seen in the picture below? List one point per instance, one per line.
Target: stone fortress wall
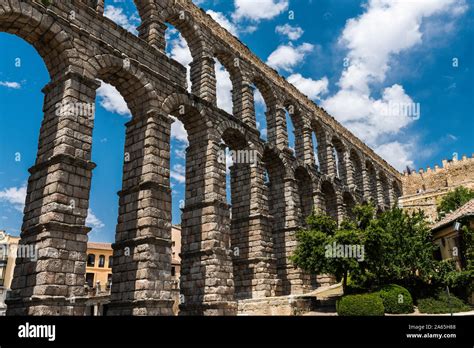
(423, 189)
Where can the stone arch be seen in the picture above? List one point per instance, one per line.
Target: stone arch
(130, 81)
(276, 169)
(272, 112)
(396, 192)
(330, 202)
(339, 158)
(305, 193)
(202, 66)
(295, 116)
(190, 31)
(232, 65)
(205, 204)
(371, 191)
(254, 265)
(62, 145)
(265, 87)
(194, 118)
(356, 175)
(384, 187)
(145, 8)
(40, 30)
(235, 138)
(349, 203)
(319, 133)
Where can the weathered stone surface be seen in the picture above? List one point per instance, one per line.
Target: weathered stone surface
(423, 189)
(228, 253)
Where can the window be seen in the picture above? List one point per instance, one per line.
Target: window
(109, 280)
(173, 271)
(437, 253)
(2, 275)
(91, 260)
(90, 279)
(101, 261)
(110, 261)
(3, 252)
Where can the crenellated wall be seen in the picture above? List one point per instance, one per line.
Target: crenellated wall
(424, 188)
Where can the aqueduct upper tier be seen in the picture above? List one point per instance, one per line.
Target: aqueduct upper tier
(270, 196)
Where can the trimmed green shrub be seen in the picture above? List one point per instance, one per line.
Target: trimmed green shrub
(396, 299)
(360, 305)
(360, 283)
(442, 304)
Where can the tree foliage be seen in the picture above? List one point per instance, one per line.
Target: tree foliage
(314, 251)
(397, 247)
(454, 200)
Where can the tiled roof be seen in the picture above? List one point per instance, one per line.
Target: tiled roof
(102, 246)
(466, 210)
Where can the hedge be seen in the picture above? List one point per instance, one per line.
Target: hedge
(360, 305)
(441, 304)
(396, 299)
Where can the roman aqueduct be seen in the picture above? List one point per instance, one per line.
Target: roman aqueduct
(80, 46)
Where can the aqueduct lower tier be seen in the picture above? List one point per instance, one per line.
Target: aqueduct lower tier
(80, 46)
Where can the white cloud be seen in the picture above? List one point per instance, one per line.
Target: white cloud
(371, 118)
(256, 10)
(372, 43)
(180, 153)
(178, 173)
(397, 154)
(220, 18)
(311, 88)
(9, 84)
(15, 196)
(293, 33)
(286, 57)
(111, 100)
(258, 97)
(179, 51)
(223, 88)
(116, 14)
(178, 132)
(93, 221)
(372, 48)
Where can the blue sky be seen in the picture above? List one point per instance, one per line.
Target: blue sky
(362, 60)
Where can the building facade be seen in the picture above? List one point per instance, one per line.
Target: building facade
(99, 274)
(8, 252)
(425, 188)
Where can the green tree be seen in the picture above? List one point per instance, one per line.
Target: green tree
(454, 200)
(460, 281)
(317, 249)
(310, 252)
(399, 248)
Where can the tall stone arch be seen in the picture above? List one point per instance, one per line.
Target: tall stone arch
(323, 149)
(356, 174)
(207, 284)
(55, 210)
